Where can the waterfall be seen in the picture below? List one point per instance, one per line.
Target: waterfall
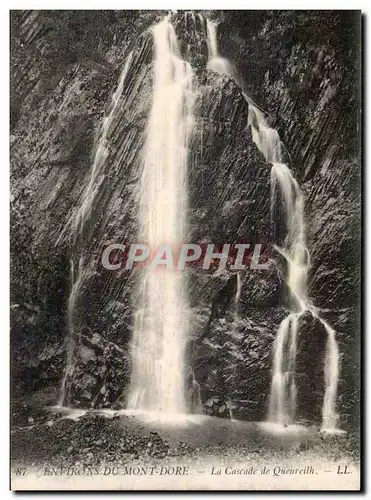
(235, 334)
(329, 417)
(161, 316)
(71, 343)
(96, 178)
(266, 138)
(295, 250)
(212, 41)
(215, 62)
(282, 400)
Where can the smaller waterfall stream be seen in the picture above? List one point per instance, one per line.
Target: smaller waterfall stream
(235, 332)
(215, 63)
(95, 180)
(101, 154)
(329, 416)
(76, 279)
(283, 395)
(282, 402)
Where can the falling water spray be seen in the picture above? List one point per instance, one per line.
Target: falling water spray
(94, 181)
(283, 395)
(282, 401)
(161, 316)
(216, 62)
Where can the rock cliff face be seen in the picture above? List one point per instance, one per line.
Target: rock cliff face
(302, 69)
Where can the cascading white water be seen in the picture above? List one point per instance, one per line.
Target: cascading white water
(216, 62)
(95, 179)
(235, 337)
(212, 41)
(329, 416)
(161, 319)
(282, 401)
(266, 138)
(295, 250)
(238, 290)
(76, 279)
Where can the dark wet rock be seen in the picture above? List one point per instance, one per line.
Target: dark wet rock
(301, 68)
(190, 29)
(100, 375)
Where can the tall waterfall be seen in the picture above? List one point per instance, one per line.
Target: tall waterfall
(96, 178)
(161, 319)
(283, 395)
